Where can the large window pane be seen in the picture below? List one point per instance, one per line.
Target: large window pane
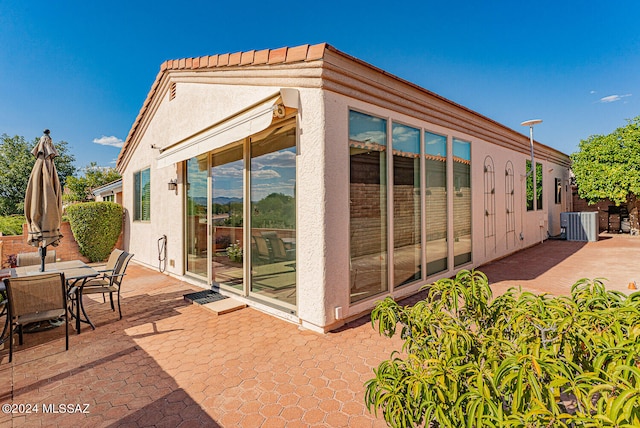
(142, 195)
(529, 186)
(538, 187)
(196, 231)
(407, 230)
(436, 201)
(368, 205)
(227, 215)
(461, 202)
(273, 214)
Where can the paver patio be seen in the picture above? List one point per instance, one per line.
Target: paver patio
(168, 363)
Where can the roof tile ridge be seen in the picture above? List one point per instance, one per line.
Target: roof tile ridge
(281, 55)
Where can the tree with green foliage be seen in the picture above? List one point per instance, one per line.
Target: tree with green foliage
(520, 360)
(608, 167)
(276, 210)
(16, 162)
(80, 188)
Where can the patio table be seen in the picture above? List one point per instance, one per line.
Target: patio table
(76, 273)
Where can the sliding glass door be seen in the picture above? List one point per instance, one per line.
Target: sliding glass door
(250, 183)
(227, 218)
(196, 233)
(273, 215)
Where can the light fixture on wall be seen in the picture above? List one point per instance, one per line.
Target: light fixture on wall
(173, 185)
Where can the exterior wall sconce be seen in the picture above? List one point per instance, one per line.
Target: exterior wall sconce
(173, 185)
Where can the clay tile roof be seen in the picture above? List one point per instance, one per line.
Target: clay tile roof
(277, 55)
(316, 51)
(261, 57)
(234, 59)
(296, 54)
(284, 55)
(223, 60)
(247, 57)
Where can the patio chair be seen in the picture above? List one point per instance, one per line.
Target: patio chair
(33, 299)
(34, 258)
(108, 269)
(278, 251)
(111, 262)
(109, 283)
(263, 253)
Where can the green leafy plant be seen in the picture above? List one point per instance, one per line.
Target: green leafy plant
(519, 360)
(12, 224)
(96, 227)
(234, 251)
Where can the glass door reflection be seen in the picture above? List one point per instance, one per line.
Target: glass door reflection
(273, 215)
(227, 219)
(196, 216)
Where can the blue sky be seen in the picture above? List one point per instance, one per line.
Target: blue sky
(83, 69)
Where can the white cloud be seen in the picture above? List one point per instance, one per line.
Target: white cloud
(264, 174)
(403, 134)
(109, 141)
(371, 137)
(613, 98)
(281, 159)
(228, 171)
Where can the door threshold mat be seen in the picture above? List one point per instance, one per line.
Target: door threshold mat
(225, 306)
(204, 297)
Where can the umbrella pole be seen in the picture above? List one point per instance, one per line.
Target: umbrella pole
(43, 255)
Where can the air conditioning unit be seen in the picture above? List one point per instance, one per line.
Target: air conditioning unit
(580, 226)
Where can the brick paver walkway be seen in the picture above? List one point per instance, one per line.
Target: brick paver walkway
(168, 363)
(554, 266)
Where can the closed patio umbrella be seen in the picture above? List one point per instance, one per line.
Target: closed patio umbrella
(43, 200)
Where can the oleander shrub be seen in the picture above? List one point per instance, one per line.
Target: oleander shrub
(519, 360)
(96, 227)
(12, 224)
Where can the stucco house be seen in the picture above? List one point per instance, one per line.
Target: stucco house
(110, 192)
(309, 184)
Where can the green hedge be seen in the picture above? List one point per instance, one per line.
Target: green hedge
(96, 227)
(12, 224)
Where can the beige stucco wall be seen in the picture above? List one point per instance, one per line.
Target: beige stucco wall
(312, 245)
(337, 195)
(322, 184)
(196, 107)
